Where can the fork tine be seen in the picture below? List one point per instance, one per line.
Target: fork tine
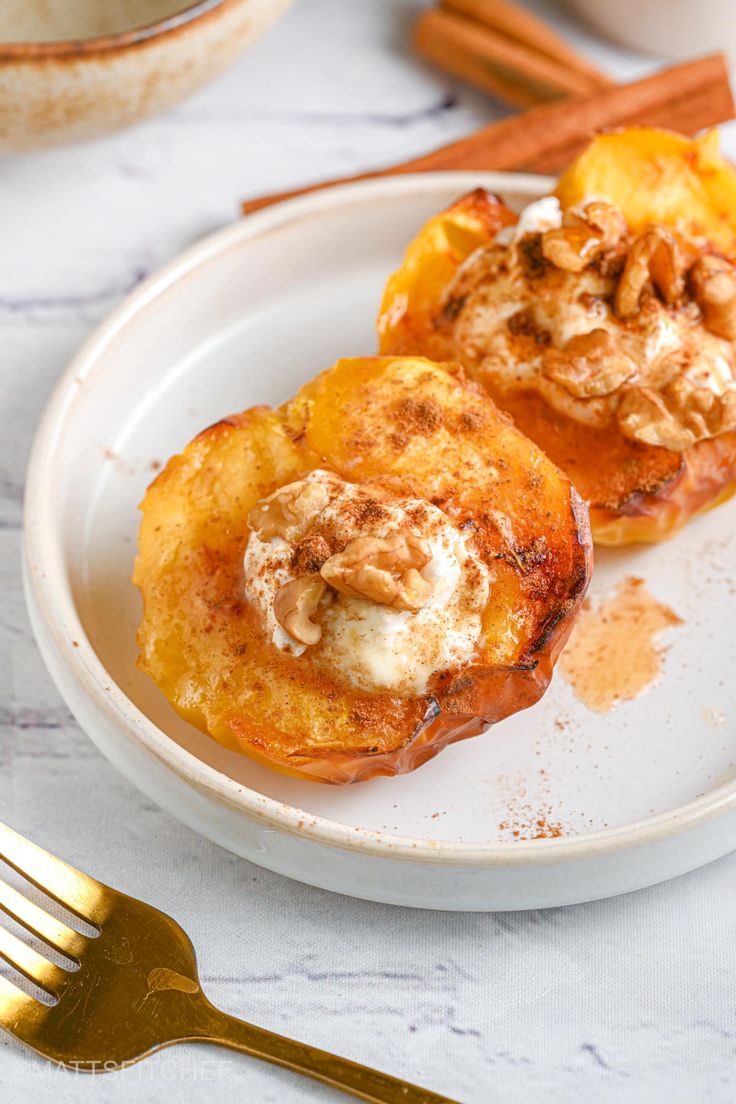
(69, 887)
(28, 962)
(13, 1001)
(53, 932)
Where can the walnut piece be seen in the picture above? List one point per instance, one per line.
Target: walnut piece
(603, 218)
(295, 604)
(643, 416)
(288, 511)
(655, 256)
(570, 248)
(583, 233)
(678, 417)
(713, 283)
(382, 569)
(590, 365)
(703, 412)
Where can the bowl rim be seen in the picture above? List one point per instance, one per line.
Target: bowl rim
(51, 598)
(120, 40)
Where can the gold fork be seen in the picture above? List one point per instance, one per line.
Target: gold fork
(132, 987)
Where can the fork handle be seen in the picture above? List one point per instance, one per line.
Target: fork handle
(340, 1073)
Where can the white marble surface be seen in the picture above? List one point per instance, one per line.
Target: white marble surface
(627, 1000)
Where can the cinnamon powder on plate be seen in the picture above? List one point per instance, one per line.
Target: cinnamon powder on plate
(613, 654)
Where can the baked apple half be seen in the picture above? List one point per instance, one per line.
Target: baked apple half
(603, 321)
(343, 586)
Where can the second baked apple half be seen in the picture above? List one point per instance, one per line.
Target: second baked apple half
(343, 586)
(603, 322)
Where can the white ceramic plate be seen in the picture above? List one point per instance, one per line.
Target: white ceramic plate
(640, 794)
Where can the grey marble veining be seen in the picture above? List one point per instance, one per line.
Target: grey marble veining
(631, 1000)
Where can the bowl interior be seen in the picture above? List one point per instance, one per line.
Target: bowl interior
(246, 319)
(48, 21)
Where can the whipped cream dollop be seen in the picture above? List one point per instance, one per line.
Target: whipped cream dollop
(364, 644)
(510, 308)
(536, 218)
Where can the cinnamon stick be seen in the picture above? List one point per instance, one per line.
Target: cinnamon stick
(494, 63)
(685, 97)
(519, 25)
(686, 116)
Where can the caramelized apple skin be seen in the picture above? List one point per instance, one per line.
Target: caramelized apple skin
(406, 319)
(423, 432)
(635, 492)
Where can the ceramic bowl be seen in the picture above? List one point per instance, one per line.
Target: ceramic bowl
(677, 29)
(76, 70)
(556, 804)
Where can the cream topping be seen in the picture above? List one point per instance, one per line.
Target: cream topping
(536, 218)
(364, 644)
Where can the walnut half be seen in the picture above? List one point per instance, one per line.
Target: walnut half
(678, 417)
(288, 511)
(591, 365)
(655, 256)
(643, 415)
(713, 283)
(296, 603)
(382, 569)
(583, 233)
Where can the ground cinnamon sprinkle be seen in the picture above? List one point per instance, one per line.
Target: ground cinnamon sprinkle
(420, 415)
(543, 829)
(529, 817)
(613, 654)
(526, 823)
(533, 829)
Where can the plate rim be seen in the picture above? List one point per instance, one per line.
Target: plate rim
(46, 579)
